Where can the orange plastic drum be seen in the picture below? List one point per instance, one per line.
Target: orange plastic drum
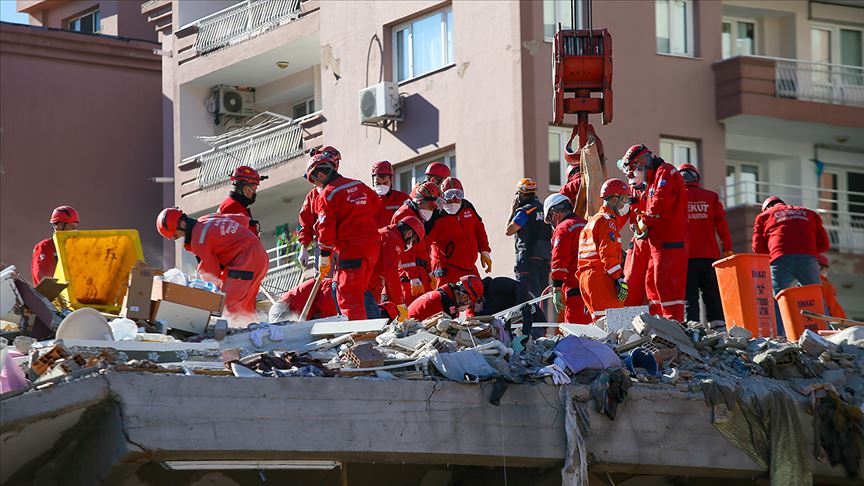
(795, 299)
(746, 293)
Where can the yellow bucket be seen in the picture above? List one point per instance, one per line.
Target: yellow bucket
(96, 265)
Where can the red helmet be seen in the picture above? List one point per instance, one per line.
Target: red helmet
(438, 169)
(64, 214)
(614, 187)
(473, 286)
(167, 222)
(382, 167)
(770, 202)
(451, 188)
(328, 150)
(246, 174)
(426, 191)
(320, 161)
(415, 224)
(631, 156)
(691, 168)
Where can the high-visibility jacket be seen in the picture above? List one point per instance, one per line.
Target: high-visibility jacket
(347, 210)
(427, 305)
(308, 217)
(600, 244)
(238, 204)
(385, 277)
(565, 261)
(322, 305)
(44, 260)
(784, 229)
(707, 220)
(666, 206)
(457, 239)
(390, 202)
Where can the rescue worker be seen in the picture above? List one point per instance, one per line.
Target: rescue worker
(533, 238)
(500, 293)
(638, 253)
(308, 216)
(347, 211)
(574, 181)
(601, 276)
(707, 220)
(664, 224)
(391, 199)
(566, 297)
(395, 238)
(229, 255)
(290, 304)
(245, 180)
(829, 293)
(451, 299)
(793, 237)
(456, 236)
(44, 261)
(436, 172)
(414, 268)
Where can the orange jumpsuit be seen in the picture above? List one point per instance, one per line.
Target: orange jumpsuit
(600, 262)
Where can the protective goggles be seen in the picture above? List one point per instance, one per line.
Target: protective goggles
(451, 194)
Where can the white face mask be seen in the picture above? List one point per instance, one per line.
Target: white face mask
(319, 189)
(452, 208)
(382, 189)
(425, 214)
(623, 211)
(638, 177)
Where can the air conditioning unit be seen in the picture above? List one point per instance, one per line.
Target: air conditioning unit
(380, 103)
(234, 101)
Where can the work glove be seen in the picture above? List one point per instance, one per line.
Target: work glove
(558, 299)
(403, 312)
(303, 256)
(728, 253)
(486, 261)
(324, 265)
(622, 289)
(417, 287)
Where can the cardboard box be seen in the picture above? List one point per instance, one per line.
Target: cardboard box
(182, 317)
(187, 296)
(137, 303)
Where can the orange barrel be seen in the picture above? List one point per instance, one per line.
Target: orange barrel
(795, 299)
(746, 293)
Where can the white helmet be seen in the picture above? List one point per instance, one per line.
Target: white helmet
(552, 201)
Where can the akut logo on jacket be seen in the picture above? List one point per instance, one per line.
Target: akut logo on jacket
(785, 214)
(697, 210)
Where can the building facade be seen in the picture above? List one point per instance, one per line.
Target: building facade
(752, 92)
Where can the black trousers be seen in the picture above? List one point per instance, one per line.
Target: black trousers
(534, 273)
(702, 278)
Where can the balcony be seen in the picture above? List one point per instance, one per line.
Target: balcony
(284, 272)
(789, 89)
(242, 22)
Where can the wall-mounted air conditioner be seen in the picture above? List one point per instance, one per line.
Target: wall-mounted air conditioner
(380, 103)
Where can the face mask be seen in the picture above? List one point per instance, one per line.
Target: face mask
(425, 214)
(382, 189)
(624, 210)
(452, 208)
(638, 177)
(319, 189)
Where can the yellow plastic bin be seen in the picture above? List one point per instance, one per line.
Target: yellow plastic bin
(746, 293)
(795, 299)
(96, 265)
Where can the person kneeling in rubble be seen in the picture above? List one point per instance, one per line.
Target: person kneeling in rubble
(385, 285)
(229, 254)
(290, 305)
(451, 299)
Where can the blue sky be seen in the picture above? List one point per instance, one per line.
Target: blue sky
(8, 13)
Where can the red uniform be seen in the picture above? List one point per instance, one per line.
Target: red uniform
(666, 216)
(322, 305)
(44, 260)
(600, 262)
(233, 205)
(413, 263)
(390, 202)
(638, 255)
(571, 188)
(456, 241)
(565, 265)
(346, 225)
(308, 218)
(829, 294)
(707, 220)
(427, 305)
(231, 256)
(784, 229)
(385, 278)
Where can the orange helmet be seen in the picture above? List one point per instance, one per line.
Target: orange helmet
(526, 184)
(473, 286)
(246, 174)
(438, 169)
(614, 187)
(167, 222)
(382, 167)
(64, 214)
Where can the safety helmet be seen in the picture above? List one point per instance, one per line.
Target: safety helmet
(64, 214)
(246, 174)
(526, 184)
(614, 187)
(327, 150)
(554, 200)
(426, 191)
(451, 188)
(631, 156)
(472, 285)
(692, 168)
(438, 169)
(770, 202)
(382, 167)
(320, 161)
(413, 223)
(167, 222)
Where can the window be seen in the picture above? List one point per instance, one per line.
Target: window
(742, 184)
(738, 37)
(831, 44)
(559, 12)
(678, 152)
(304, 108)
(87, 23)
(674, 21)
(423, 45)
(408, 176)
(558, 137)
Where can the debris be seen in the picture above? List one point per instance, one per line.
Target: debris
(740, 332)
(332, 328)
(467, 365)
(579, 354)
(813, 344)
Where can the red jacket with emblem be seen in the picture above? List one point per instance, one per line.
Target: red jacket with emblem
(457, 239)
(232, 206)
(666, 206)
(346, 215)
(427, 305)
(707, 220)
(323, 304)
(386, 274)
(44, 260)
(308, 217)
(784, 229)
(600, 244)
(415, 261)
(218, 239)
(571, 188)
(565, 261)
(390, 203)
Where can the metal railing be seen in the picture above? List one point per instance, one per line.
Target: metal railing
(817, 81)
(284, 272)
(842, 211)
(242, 22)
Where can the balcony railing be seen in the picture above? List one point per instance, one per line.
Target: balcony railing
(284, 273)
(821, 82)
(242, 22)
(842, 211)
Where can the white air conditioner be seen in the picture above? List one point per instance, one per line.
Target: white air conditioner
(231, 100)
(380, 103)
